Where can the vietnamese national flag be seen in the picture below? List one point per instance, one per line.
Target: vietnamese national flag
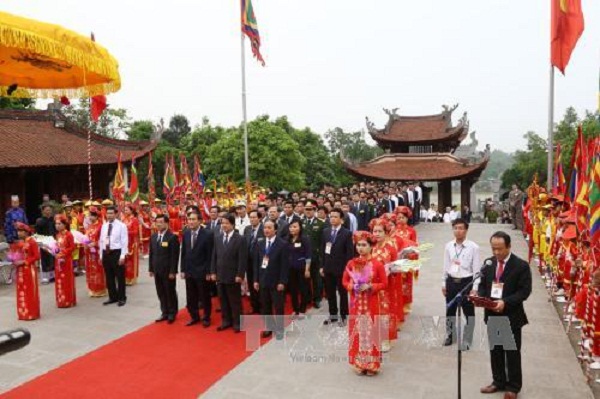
(567, 27)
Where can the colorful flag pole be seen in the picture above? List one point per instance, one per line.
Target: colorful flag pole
(566, 26)
(151, 183)
(119, 183)
(250, 29)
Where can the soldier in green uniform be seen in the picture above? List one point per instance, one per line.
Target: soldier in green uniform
(313, 228)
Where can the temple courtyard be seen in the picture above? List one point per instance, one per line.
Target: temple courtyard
(309, 362)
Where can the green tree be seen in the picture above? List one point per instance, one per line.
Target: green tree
(351, 146)
(113, 122)
(179, 128)
(140, 130)
(275, 158)
(17, 103)
(320, 167)
(527, 163)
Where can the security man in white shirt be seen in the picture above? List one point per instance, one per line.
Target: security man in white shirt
(113, 248)
(461, 263)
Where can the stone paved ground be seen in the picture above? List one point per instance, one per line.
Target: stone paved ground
(417, 367)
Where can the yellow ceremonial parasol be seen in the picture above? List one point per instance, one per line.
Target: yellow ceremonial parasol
(42, 60)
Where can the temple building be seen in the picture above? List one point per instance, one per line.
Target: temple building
(43, 153)
(425, 149)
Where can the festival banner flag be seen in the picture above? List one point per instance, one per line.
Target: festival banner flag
(134, 189)
(559, 185)
(198, 180)
(184, 174)
(594, 196)
(578, 162)
(250, 29)
(566, 28)
(151, 182)
(169, 179)
(118, 188)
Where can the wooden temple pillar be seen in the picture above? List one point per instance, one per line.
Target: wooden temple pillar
(444, 194)
(465, 193)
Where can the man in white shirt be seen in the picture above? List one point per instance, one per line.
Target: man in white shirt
(418, 193)
(461, 263)
(241, 218)
(447, 216)
(114, 243)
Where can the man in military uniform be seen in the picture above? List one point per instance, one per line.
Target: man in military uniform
(313, 228)
(515, 201)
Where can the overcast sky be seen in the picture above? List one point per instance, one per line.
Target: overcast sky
(332, 62)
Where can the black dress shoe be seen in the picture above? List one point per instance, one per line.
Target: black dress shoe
(266, 334)
(330, 321)
(121, 303)
(171, 320)
(223, 327)
(317, 305)
(192, 322)
(109, 302)
(206, 323)
(448, 341)
(161, 318)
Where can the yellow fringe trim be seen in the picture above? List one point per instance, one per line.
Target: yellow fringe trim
(60, 44)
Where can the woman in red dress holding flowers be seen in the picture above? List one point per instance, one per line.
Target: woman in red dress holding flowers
(64, 287)
(364, 278)
(28, 293)
(94, 272)
(409, 238)
(132, 259)
(384, 251)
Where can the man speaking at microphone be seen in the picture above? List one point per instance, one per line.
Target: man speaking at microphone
(461, 263)
(507, 281)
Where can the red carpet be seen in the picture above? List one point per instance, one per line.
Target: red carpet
(157, 361)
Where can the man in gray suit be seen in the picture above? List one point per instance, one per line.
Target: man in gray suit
(228, 268)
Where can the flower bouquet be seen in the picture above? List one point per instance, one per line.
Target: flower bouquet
(47, 242)
(80, 238)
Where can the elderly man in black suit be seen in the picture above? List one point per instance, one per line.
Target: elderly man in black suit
(162, 262)
(336, 250)
(228, 268)
(271, 273)
(507, 281)
(254, 235)
(196, 255)
(360, 209)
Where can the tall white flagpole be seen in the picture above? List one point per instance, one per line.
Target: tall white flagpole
(245, 122)
(550, 130)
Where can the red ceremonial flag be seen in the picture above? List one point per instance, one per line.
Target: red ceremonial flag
(134, 189)
(119, 183)
(567, 27)
(97, 107)
(250, 29)
(559, 185)
(151, 182)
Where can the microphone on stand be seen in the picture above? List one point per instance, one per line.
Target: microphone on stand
(486, 264)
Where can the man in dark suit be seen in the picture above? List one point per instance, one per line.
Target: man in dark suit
(271, 272)
(162, 262)
(508, 281)
(282, 226)
(254, 235)
(336, 250)
(228, 268)
(360, 209)
(214, 224)
(196, 255)
(313, 227)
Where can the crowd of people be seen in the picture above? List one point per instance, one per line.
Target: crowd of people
(335, 244)
(567, 258)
